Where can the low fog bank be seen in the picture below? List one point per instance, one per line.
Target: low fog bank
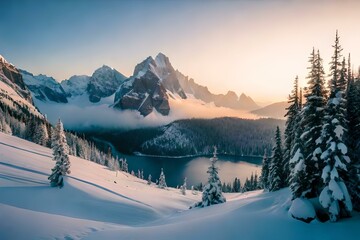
(101, 116)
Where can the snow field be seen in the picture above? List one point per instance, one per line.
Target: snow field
(97, 204)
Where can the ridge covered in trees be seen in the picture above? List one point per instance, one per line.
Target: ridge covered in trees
(232, 136)
(18, 120)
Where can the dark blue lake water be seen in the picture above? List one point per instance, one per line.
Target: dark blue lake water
(194, 168)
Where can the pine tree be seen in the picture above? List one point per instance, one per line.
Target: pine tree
(236, 185)
(30, 129)
(264, 179)
(334, 195)
(162, 182)
(252, 182)
(183, 187)
(309, 138)
(276, 175)
(256, 184)
(149, 180)
(349, 74)
(292, 112)
(40, 135)
(223, 187)
(125, 166)
(353, 141)
(4, 126)
(299, 179)
(212, 193)
(247, 185)
(60, 155)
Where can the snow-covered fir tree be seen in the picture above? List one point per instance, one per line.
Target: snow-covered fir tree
(312, 122)
(149, 180)
(212, 193)
(334, 195)
(299, 179)
(289, 134)
(183, 187)
(162, 181)
(4, 126)
(305, 163)
(247, 185)
(60, 156)
(41, 135)
(30, 129)
(264, 179)
(276, 175)
(353, 139)
(125, 166)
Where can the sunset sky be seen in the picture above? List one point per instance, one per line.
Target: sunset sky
(256, 47)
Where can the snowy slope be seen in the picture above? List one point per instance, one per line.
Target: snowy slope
(89, 199)
(93, 206)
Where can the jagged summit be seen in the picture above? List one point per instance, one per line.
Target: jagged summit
(76, 85)
(103, 83)
(44, 88)
(150, 88)
(163, 61)
(146, 89)
(2, 59)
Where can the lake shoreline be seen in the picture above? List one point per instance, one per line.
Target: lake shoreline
(139, 154)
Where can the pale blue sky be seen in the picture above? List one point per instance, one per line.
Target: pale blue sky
(256, 47)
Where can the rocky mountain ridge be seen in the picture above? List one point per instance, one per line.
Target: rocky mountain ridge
(153, 82)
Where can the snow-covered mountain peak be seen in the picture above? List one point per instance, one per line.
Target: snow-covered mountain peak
(148, 88)
(103, 69)
(162, 61)
(103, 83)
(141, 68)
(106, 74)
(160, 66)
(43, 87)
(75, 85)
(2, 59)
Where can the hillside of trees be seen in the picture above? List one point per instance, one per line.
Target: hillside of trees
(232, 136)
(17, 119)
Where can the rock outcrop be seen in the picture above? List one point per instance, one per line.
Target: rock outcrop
(12, 77)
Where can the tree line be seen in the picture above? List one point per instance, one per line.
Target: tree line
(320, 159)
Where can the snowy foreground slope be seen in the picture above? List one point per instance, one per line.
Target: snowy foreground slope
(92, 206)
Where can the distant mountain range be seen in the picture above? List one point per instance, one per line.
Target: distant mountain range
(153, 82)
(154, 87)
(103, 83)
(19, 88)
